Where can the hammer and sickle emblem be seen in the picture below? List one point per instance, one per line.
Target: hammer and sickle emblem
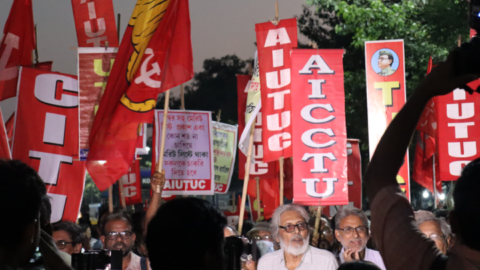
(145, 75)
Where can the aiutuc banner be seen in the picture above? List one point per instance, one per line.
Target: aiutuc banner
(224, 151)
(46, 137)
(274, 43)
(94, 66)
(458, 131)
(188, 156)
(95, 23)
(258, 168)
(386, 94)
(319, 129)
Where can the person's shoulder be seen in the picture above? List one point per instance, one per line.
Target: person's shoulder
(271, 255)
(317, 252)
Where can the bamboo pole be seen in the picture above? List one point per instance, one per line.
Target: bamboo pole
(182, 97)
(110, 199)
(219, 114)
(259, 213)
(318, 215)
(164, 131)
(122, 194)
(434, 184)
(276, 13)
(246, 179)
(118, 27)
(280, 161)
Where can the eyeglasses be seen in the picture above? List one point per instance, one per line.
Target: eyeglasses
(383, 58)
(114, 235)
(265, 237)
(435, 237)
(349, 230)
(302, 226)
(61, 244)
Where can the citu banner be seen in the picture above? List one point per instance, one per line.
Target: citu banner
(258, 168)
(319, 129)
(46, 137)
(274, 43)
(95, 23)
(155, 55)
(17, 45)
(386, 94)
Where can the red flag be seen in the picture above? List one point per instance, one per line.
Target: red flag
(155, 55)
(17, 45)
(354, 173)
(422, 164)
(95, 23)
(4, 145)
(428, 120)
(46, 137)
(46, 66)
(274, 44)
(9, 126)
(269, 196)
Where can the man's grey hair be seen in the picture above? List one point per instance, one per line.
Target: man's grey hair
(285, 208)
(348, 211)
(422, 216)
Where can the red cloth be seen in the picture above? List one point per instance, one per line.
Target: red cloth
(17, 45)
(422, 164)
(161, 59)
(269, 196)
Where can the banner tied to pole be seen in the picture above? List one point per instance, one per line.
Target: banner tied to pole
(458, 132)
(274, 44)
(354, 172)
(94, 66)
(155, 55)
(386, 94)
(319, 129)
(224, 151)
(188, 156)
(95, 23)
(17, 46)
(132, 184)
(258, 168)
(46, 137)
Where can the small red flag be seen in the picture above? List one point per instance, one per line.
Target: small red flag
(17, 45)
(155, 55)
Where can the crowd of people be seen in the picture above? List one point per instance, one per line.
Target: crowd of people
(191, 234)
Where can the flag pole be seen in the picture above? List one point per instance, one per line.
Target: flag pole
(122, 194)
(246, 178)
(318, 215)
(118, 26)
(164, 131)
(434, 184)
(182, 97)
(280, 161)
(259, 213)
(110, 199)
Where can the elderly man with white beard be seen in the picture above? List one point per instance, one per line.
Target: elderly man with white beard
(289, 227)
(351, 230)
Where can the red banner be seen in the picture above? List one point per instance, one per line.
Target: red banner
(258, 168)
(17, 45)
(4, 145)
(354, 172)
(274, 43)
(94, 66)
(132, 184)
(319, 133)
(386, 94)
(46, 137)
(155, 55)
(95, 23)
(458, 132)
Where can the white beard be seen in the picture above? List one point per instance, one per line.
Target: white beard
(295, 251)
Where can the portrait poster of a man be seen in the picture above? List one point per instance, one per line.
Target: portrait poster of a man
(385, 61)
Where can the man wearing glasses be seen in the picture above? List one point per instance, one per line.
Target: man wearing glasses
(435, 229)
(351, 230)
(68, 237)
(289, 227)
(385, 61)
(116, 234)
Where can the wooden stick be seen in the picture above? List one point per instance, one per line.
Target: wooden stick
(122, 194)
(36, 46)
(276, 12)
(246, 179)
(182, 97)
(280, 161)
(459, 40)
(118, 27)
(219, 114)
(318, 215)
(259, 213)
(110, 199)
(164, 131)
